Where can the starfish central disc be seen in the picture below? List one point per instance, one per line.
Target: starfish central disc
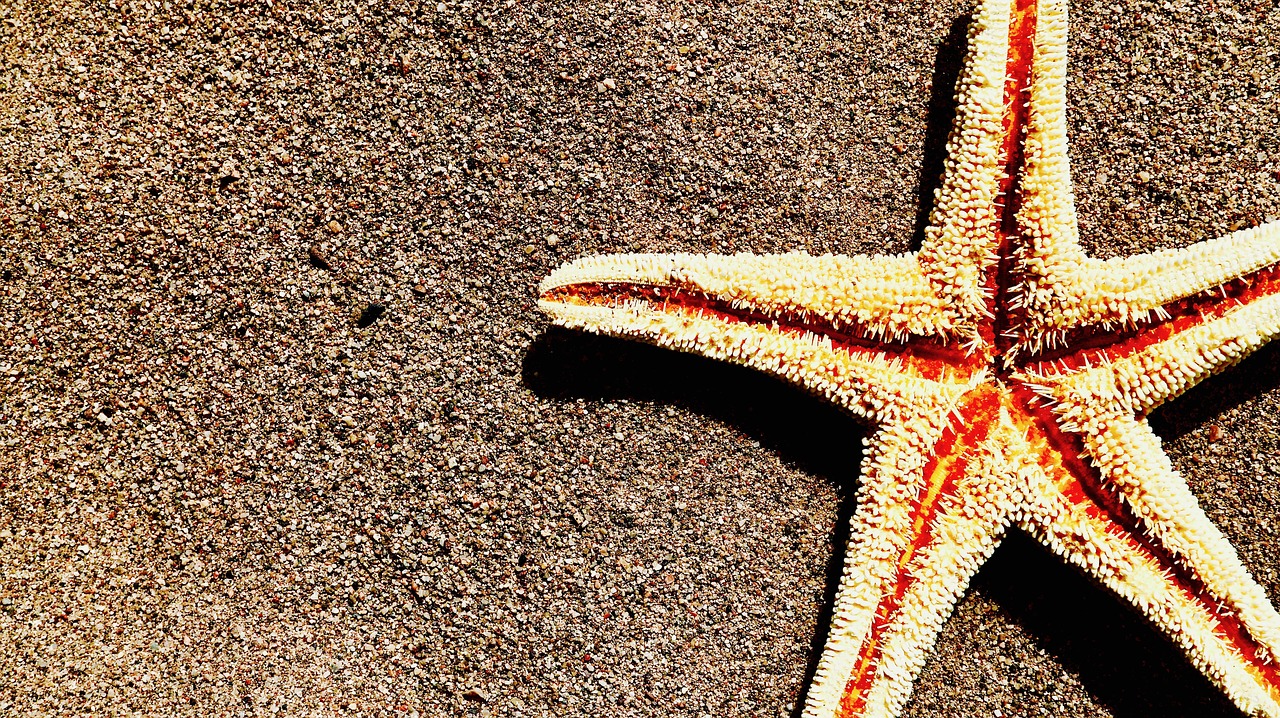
(1005, 375)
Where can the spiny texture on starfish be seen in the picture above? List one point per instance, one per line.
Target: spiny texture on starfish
(1006, 376)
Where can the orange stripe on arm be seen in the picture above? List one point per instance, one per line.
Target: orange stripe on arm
(940, 493)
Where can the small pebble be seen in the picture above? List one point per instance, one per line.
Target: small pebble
(317, 257)
(370, 315)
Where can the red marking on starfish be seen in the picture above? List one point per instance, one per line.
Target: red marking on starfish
(948, 463)
(928, 358)
(1022, 29)
(1093, 345)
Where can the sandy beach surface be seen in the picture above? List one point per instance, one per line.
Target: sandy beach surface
(283, 433)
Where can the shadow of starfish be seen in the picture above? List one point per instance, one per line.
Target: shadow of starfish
(812, 435)
(807, 433)
(1258, 375)
(1125, 665)
(948, 62)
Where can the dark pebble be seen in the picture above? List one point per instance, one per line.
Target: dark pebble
(317, 258)
(370, 315)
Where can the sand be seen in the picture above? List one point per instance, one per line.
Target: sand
(221, 495)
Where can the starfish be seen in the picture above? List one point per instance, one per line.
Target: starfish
(1006, 377)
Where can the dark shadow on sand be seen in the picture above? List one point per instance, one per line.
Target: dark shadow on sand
(948, 62)
(806, 432)
(811, 434)
(1125, 664)
(1257, 375)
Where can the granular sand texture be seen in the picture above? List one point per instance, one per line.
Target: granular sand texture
(281, 430)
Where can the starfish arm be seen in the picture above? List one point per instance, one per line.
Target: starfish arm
(923, 527)
(819, 322)
(1129, 456)
(961, 242)
(1129, 289)
(1065, 292)
(1046, 214)
(1134, 376)
(882, 297)
(1153, 546)
(1130, 460)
